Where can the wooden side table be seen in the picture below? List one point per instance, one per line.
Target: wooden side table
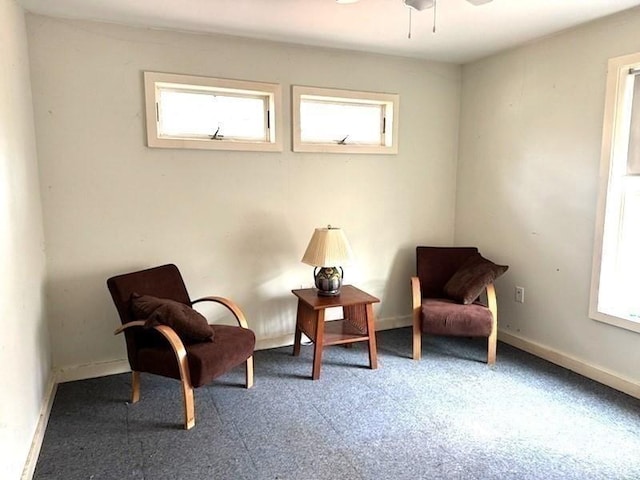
(356, 326)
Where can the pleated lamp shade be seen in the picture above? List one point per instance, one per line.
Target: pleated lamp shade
(328, 247)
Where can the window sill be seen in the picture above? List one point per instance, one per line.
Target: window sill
(619, 322)
(348, 149)
(214, 144)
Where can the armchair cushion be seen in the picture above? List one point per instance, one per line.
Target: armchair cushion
(190, 325)
(442, 316)
(230, 346)
(468, 282)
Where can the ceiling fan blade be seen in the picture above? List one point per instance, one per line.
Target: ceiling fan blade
(479, 2)
(419, 4)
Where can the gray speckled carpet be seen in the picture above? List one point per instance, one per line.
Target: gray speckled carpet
(448, 416)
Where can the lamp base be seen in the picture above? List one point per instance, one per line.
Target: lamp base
(328, 281)
(332, 293)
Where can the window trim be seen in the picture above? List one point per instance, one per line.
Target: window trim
(349, 96)
(271, 91)
(612, 140)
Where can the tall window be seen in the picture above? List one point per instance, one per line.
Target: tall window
(615, 287)
(184, 111)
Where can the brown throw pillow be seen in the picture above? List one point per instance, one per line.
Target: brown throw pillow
(466, 285)
(190, 325)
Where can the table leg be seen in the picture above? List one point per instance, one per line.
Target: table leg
(318, 344)
(298, 335)
(371, 328)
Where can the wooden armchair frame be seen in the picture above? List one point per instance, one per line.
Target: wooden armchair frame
(181, 357)
(417, 330)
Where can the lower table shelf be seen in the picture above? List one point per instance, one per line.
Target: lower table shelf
(337, 332)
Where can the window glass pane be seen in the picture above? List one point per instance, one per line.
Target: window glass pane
(331, 122)
(629, 251)
(201, 114)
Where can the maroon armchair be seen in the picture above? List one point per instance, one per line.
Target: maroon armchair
(446, 293)
(164, 337)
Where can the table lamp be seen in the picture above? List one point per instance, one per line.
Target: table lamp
(328, 251)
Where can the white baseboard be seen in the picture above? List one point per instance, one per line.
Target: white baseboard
(389, 323)
(274, 342)
(575, 365)
(38, 437)
(92, 370)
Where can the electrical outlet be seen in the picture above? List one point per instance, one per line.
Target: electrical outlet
(520, 294)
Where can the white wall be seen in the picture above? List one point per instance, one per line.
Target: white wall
(236, 223)
(24, 347)
(530, 137)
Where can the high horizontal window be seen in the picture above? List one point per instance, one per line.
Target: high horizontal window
(614, 287)
(185, 111)
(344, 121)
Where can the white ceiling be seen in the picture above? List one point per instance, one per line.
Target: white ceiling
(464, 32)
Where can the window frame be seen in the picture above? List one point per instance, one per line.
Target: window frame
(271, 92)
(391, 101)
(615, 138)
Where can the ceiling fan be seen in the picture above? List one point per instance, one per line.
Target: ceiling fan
(420, 5)
(424, 4)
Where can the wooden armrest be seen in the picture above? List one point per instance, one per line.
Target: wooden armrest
(493, 337)
(230, 304)
(135, 323)
(174, 340)
(491, 300)
(167, 332)
(416, 297)
(415, 292)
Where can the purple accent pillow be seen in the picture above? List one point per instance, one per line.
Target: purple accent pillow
(188, 324)
(466, 285)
